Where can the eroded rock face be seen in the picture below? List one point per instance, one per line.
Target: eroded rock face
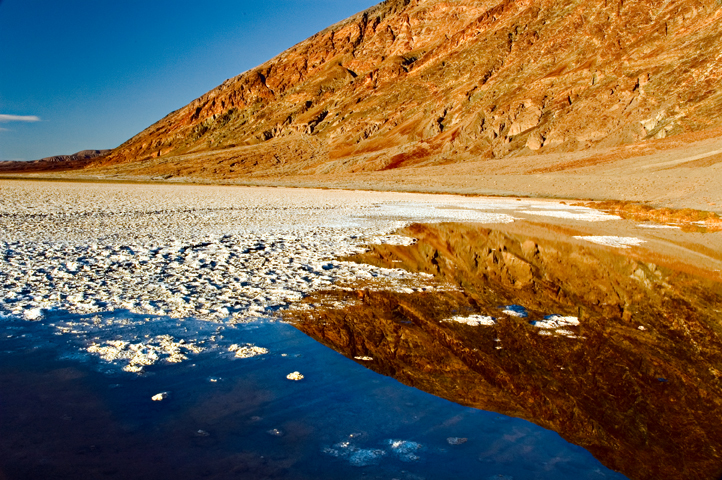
(431, 81)
(616, 354)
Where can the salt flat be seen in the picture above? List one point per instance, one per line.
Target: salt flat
(222, 254)
(207, 252)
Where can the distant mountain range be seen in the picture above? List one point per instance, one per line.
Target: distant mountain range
(57, 162)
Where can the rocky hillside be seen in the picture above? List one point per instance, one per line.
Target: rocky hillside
(412, 82)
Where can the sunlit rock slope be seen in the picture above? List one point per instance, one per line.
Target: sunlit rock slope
(413, 82)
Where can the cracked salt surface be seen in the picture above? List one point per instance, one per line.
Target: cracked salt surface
(214, 253)
(218, 254)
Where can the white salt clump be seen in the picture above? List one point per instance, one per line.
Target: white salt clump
(143, 354)
(405, 449)
(473, 320)
(556, 321)
(364, 359)
(641, 328)
(158, 397)
(33, 314)
(295, 376)
(557, 324)
(515, 311)
(612, 241)
(247, 351)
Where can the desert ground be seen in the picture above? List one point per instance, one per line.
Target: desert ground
(678, 172)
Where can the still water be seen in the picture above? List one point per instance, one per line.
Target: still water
(66, 414)
(620, 353)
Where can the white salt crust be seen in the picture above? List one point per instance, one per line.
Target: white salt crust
(212, 253)
(473, 320)
(612, 241)
(652, 225)
(554, 325)
(584, 214)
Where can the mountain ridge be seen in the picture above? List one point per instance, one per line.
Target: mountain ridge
(411, 82)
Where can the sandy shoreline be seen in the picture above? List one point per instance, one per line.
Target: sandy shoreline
(668, 173)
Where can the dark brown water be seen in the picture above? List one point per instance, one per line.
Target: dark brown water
(635, 379)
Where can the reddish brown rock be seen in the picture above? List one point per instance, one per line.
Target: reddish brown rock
(412, 82)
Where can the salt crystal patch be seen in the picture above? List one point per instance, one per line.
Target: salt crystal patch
(247, 351)
(587, 216)
(143, 354)
(158, 397)
(358, 457)
(473, 320)
(364, 359)
(405, 449)
(515, 311)
(556, 321)
(33, 314)
(612, 241)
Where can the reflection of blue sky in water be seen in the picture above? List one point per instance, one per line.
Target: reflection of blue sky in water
(241, 418)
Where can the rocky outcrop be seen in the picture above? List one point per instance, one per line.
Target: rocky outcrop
(631, 369)
(412, 82)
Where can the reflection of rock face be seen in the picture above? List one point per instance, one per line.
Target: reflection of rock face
(637, 382)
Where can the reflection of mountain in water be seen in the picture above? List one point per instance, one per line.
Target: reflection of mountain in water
(636, 382)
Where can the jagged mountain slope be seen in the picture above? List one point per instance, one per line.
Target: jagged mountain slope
(413, 82)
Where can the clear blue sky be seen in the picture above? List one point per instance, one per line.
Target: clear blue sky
(90, 74)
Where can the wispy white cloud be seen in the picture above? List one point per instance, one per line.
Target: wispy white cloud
(18, 118)
(4, 129)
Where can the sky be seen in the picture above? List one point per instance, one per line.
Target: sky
(90, 74)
